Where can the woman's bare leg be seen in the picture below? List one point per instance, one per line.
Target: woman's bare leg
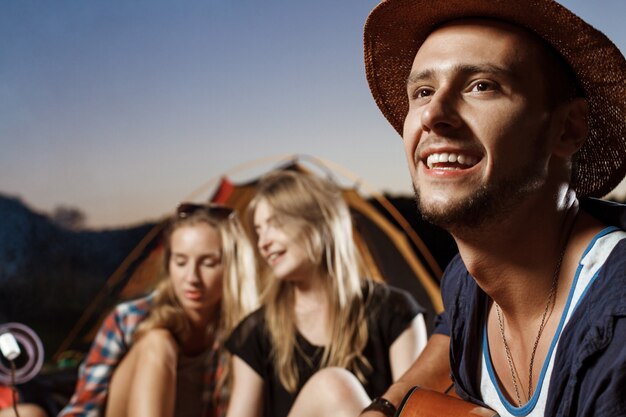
(330, 392)
(144, 383)
(25, 410)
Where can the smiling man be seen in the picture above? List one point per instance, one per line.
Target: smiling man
(513, 116)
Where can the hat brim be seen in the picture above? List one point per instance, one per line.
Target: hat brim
(395, 30)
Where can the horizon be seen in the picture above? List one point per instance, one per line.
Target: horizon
(122, 110)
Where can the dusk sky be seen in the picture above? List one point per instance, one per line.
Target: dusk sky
(122, 108)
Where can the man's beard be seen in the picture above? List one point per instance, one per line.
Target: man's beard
(491, 202)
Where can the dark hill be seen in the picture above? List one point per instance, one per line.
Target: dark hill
(49, 274)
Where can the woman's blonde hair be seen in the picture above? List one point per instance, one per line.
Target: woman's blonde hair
(239, 289)
(314, 212)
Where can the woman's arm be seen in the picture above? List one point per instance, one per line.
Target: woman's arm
(430, 370)
(407, 347)
(246, 399)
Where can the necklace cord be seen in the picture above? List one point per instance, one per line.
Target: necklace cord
(551, 302)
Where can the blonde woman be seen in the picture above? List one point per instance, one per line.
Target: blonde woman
(163, 355)
(326, 340)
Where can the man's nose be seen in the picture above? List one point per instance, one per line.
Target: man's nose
(441, 112)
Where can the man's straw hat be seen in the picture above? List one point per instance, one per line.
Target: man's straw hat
(395, 30)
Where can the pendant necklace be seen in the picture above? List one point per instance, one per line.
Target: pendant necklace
(550, 302)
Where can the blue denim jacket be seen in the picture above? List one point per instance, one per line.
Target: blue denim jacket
(589, 375)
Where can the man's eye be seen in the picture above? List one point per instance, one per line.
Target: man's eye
(482, 86)
(423, 92)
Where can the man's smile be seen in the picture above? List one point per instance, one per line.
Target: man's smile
(450, 161)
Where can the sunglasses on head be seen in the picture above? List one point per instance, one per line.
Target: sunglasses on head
(218, 211)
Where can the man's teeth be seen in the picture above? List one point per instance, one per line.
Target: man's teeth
(446, 157)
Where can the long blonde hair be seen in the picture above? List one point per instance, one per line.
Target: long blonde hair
(239, 289)
(316, 212)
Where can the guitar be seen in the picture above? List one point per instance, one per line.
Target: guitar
(422, 402)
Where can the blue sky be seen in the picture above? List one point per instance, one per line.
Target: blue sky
(123, 108)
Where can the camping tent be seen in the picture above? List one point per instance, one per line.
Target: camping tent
(392, 251)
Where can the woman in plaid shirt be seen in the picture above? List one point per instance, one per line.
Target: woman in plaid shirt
(162, 355)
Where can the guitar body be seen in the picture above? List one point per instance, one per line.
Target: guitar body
(421, 402)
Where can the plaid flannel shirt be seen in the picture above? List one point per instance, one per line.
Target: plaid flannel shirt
(112, 342)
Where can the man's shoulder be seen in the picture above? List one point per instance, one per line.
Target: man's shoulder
(606, 254)
(610, 277)
(601, 283)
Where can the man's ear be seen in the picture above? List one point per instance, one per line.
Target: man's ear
(574, 127)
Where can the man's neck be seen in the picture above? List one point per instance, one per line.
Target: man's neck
(514, 258)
